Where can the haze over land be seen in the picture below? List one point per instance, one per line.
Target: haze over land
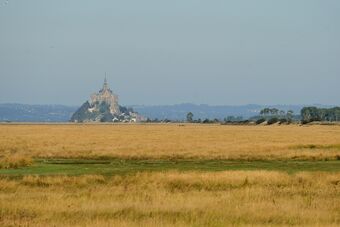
(213, 113)
(169, 52)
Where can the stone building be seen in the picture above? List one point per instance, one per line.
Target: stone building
(107, 96)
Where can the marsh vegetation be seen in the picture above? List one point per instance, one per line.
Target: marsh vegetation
(168, 174)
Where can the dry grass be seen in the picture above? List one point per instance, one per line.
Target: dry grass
(255, 198)
(15, 161)
(171, 141)
(173, 198)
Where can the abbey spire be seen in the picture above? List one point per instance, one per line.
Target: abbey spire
(106, 88)
(105, 85)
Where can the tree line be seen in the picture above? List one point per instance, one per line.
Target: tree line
(271, 116)
(309, 114)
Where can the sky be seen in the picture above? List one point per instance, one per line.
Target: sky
(216, 52)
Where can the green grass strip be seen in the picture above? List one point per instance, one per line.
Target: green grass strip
(116, 166)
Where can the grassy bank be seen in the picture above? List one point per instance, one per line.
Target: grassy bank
(256, 198)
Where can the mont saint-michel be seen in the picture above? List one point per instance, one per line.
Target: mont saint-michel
(104, 107)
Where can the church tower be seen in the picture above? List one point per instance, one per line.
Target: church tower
(107, 96)
(105, 85)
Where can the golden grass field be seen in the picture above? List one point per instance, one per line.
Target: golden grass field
(170, 198)
(171, 141)
(239, 198)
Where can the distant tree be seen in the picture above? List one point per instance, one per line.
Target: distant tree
(190, 117)
(239, 118)
(289, 115)
(206, 121)
(229, 119)
(310, 114)
(264, 111)
(261, 112)
(274, 111)
(269, 111)
(283, 120)
(272, 121)
(337, 113)
(260, 121)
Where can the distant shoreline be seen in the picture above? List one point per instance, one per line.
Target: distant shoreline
(168, 123)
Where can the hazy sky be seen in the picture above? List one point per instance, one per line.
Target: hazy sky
(168, 52)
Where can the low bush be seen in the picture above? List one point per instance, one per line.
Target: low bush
(305, 122)
(283, 120)
(260, 121)
(273, 121)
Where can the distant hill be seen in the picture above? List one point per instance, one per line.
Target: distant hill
(36, 113)
(60, 113)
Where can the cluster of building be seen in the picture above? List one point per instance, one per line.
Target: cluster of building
(104, 107)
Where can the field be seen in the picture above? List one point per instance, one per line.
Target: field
(169, 174)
